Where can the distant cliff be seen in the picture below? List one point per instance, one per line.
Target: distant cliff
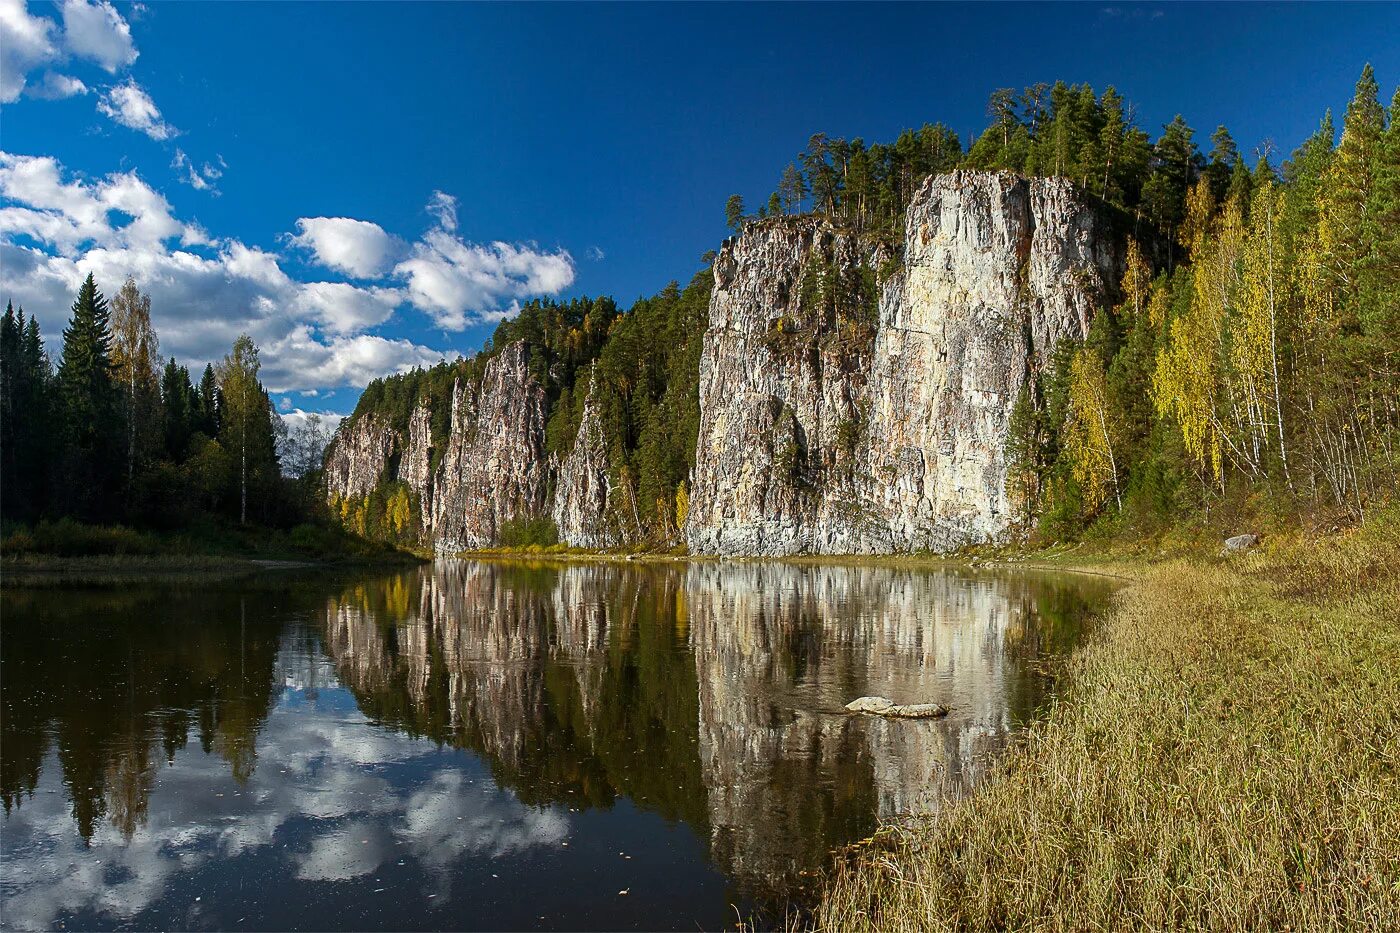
(846, 396)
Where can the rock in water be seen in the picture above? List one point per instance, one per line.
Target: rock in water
(1240, 543)
(883, 706)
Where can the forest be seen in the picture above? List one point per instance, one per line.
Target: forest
(113, 437)
(1250, 357)
(1250, 354)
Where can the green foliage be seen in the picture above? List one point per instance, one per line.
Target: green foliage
(528, 532)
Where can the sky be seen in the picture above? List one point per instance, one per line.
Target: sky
(368, 187)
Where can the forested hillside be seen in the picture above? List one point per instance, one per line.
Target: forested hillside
(1249, 352)
(1253, 344)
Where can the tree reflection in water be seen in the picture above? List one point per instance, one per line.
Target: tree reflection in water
(708, 694)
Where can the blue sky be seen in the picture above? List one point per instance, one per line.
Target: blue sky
(364, 187)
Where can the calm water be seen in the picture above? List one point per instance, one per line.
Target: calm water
(474, 745)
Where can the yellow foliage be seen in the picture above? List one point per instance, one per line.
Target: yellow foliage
(1093, 430)
(682, 505)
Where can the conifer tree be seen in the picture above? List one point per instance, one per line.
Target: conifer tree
(734, 212)
(88, 403)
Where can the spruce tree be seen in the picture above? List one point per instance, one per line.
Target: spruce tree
(88, 406)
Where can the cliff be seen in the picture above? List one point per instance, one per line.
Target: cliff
(812, 442)
(852, 398)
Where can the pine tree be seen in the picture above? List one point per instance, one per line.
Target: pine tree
(88, 403)
(792, 188)
(734, 212)
(209, 406)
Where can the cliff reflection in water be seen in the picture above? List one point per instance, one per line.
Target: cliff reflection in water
(710, 693)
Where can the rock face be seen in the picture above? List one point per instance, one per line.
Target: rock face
(852, 400)
(581, 496)
(356, 461)
(492, 467)
(832, 442)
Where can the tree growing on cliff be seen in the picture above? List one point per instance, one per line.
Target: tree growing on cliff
(734, 212)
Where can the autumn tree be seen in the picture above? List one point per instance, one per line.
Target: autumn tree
(136, 364)
(1093, 431)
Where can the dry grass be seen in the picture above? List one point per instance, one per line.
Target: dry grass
(1225, 756)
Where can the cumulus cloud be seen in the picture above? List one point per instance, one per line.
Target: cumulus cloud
(130, 105)
(204, 291)
(55, 86)
(295, 417)
(96, 31)
(355, 247)
(348, 309)
(72, 215)
(92, 31)
(455, 282)
(458, 283)
(27, 42)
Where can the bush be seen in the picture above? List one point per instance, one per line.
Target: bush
(68, 538)
(527, 532)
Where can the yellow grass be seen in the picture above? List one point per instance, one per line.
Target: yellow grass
(1226, 755)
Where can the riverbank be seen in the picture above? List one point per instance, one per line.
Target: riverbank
(1225, 753)
(72, 552)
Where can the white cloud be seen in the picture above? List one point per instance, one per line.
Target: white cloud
(296, 417)
(596, 253)
(130, 105)
(347, 309)
(55, 86)
(300, 360)
(26, 42)
(96, 31)
(457, 282)
(205, 292)
(72, 215)
(355, 247)
(201, 179)
(443, 207)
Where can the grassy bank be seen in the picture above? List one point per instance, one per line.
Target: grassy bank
(1226, 754)
(71, 550)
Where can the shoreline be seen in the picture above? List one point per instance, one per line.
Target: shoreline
(1217, 759)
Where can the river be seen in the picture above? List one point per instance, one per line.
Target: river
(477, 745)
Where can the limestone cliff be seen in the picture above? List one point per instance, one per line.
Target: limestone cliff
(491, 469)
(581, 498)
(814, 442)
(853, 398)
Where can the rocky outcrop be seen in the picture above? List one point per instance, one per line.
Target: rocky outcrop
(357, 460)
(853, 399)
(581, 494)
(823, 442)
(494, 469)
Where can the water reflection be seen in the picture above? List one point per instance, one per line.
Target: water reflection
(491, 745)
